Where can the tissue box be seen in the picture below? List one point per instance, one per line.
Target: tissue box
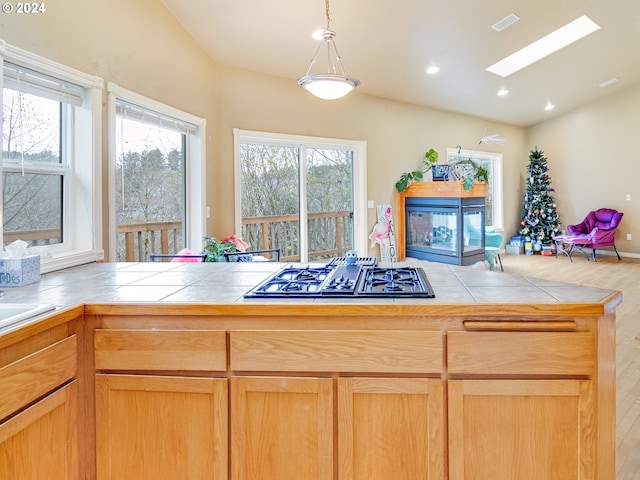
(18, 272)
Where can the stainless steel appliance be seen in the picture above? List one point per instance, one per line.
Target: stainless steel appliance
(337, 279)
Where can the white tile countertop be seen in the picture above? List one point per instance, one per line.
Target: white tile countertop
(224, 283)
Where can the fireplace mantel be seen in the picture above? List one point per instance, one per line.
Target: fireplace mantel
(452, 190)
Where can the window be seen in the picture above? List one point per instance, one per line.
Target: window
(156, 178)
(493, 163)
(303, 195)
(51, 143)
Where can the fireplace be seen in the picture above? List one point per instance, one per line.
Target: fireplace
(446, 229)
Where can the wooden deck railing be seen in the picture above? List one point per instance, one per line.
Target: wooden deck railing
(34, 237)
(330, 234)
(143, 239)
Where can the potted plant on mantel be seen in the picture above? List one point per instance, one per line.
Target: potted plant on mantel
(466, 171)
(430, 159)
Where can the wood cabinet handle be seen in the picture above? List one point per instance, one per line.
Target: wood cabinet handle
(518, 325)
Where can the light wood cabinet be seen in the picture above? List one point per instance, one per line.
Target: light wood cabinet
(42, 441)
(284, 397)
(163, 419)
(521, 424)
(525, 429)
(41, 434)
(288, 427)
(156, 427)
(390, 428)
(281, 428)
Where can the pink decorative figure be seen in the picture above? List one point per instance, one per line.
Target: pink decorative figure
(381, 230)
(186, 251)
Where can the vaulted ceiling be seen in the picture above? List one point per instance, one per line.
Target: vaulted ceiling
(388, 44)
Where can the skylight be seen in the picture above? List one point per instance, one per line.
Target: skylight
(545, 46)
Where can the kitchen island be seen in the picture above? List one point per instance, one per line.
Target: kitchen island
(167, 369)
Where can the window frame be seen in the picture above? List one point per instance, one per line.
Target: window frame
(359, 148)
(195, 165)
(80, 163)
(496, 185)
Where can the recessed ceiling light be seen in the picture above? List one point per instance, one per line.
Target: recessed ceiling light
(611, 81)
(547, 45)
(505, 22)
(433, 69)
(502, 92)
(550, 106)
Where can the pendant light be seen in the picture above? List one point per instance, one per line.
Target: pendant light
(334, 83)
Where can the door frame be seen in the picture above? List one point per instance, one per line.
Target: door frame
(359, 149)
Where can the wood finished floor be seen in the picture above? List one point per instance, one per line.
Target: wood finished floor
(607, 273)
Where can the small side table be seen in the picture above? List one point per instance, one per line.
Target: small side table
(567, 244)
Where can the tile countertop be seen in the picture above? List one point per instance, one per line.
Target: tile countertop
(223, 283)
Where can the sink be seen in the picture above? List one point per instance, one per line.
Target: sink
(11, 313)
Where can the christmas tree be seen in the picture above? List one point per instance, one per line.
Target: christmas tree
(539, 220)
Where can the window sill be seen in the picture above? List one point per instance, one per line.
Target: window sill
(70, 259)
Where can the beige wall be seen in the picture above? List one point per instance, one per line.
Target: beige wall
(592, 161)
(397, 134)
(140, 46)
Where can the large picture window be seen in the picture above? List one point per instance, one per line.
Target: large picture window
(156, 178)
(50, 139)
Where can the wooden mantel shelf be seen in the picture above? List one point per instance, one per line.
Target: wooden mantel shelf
(445, 189)
(435, 190)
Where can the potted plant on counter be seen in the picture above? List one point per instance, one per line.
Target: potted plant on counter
(430, 159)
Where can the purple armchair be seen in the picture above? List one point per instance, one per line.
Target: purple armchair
(597, 230)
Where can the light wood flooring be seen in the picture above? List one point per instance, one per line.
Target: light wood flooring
(610, 273)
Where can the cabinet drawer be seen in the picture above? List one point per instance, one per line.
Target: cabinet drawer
(336, 351)
(521, 353)
(31, 377)
(202, 350)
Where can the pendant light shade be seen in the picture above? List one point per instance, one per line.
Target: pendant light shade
(334, 83)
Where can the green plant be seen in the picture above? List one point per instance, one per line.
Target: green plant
(430, 159)
(215, 249)
(475, 173)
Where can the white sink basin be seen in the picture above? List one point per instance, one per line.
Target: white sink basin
(14, 312)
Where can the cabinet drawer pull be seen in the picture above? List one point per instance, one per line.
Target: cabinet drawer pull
(518, 325)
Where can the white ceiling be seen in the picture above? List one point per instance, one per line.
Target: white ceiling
(388, 44)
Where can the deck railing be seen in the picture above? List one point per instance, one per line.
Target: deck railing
(330, 234)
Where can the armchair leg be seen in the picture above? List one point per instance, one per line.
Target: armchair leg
(594, 254)
(616, 250)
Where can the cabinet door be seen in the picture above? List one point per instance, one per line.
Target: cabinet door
(524, 429)
(153, 427)
(41, 441)
(281, 428)
(391, 428)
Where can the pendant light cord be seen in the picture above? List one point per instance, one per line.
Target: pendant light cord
(326, 3)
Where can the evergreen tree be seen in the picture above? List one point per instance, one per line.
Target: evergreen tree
(539, 220)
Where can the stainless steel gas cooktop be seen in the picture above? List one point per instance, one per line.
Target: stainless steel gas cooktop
(335, 280)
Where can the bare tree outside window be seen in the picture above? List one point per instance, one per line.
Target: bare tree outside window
(32, 191)
(150, 189)
(271, 199)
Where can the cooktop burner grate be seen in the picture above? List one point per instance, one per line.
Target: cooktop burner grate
(340, 281)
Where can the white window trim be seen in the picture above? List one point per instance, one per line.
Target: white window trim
(359, 149)
(84, 209)
(195, 166)
(498, 207)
